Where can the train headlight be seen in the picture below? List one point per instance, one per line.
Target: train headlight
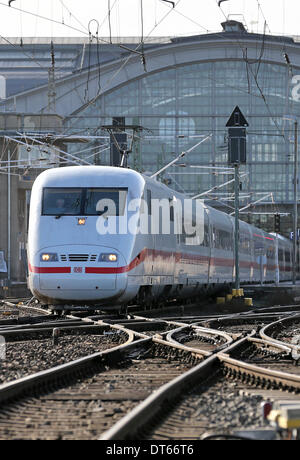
(49, 257)
(108, 258)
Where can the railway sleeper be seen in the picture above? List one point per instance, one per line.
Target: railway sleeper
(258, 381)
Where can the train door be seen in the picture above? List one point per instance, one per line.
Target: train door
(172, 238)
(178, 230)
(251, 253)
(212, 237)
(151, 236)
(261, 268)
(259, 255)
(277, 271)
(245, 251)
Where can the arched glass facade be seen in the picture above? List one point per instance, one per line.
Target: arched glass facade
(176, 105)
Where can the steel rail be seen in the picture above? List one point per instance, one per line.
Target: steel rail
(168, 393)
(26, 307)
(12, 333)
(276, 378)
(38, 326)
(144, 412)
(178, 346)
(129, 425)
(18, 388)
(209, 333)
(263, 332)
(273, 346)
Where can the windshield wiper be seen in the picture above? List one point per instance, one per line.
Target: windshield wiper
(100, 213)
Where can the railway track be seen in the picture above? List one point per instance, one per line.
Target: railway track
(216, 389)
(18, 312)
(135, 377)
(285, 331)
(33, 350)
(83, 398)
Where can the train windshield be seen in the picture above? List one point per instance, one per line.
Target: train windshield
(108, 201)
(84, 201)
(61, 201)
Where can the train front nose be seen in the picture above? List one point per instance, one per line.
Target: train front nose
(78, 273)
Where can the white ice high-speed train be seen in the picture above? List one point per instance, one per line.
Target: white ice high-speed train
(75, 254)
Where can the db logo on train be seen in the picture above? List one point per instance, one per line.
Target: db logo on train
(77, 269)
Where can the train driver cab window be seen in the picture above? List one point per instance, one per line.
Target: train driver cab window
(84, 201)
(61, 201)
(110, 201)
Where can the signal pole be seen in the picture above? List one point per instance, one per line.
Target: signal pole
(237, 223)
(236, 156)
(295, 217)
(295, 204)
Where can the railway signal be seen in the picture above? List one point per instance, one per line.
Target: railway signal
(277, 223)
(237, 137)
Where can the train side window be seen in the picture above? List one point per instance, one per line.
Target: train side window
(149, 202)
(287, 256)
(206, 232)
(142, 206)
(171, 209)
(222, 240)
(215, 238)
(280, 254)
(245, 244)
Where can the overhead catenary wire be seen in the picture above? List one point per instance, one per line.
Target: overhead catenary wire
(236, 88)
(45, 18)
(109, 20)
(255, 76)
(68, 155)
(72, 15)
(256, 95)
(186, 17)
(64, 155)
(216, 187)
(8, 165)
(175, 10)
(127, 59)
(218, 201)
(142, 37)
(255, 202)
(182, 154)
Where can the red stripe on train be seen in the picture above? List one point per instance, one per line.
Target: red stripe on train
(152, 253)
(49, 269)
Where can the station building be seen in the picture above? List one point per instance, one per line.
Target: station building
(174, 90)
